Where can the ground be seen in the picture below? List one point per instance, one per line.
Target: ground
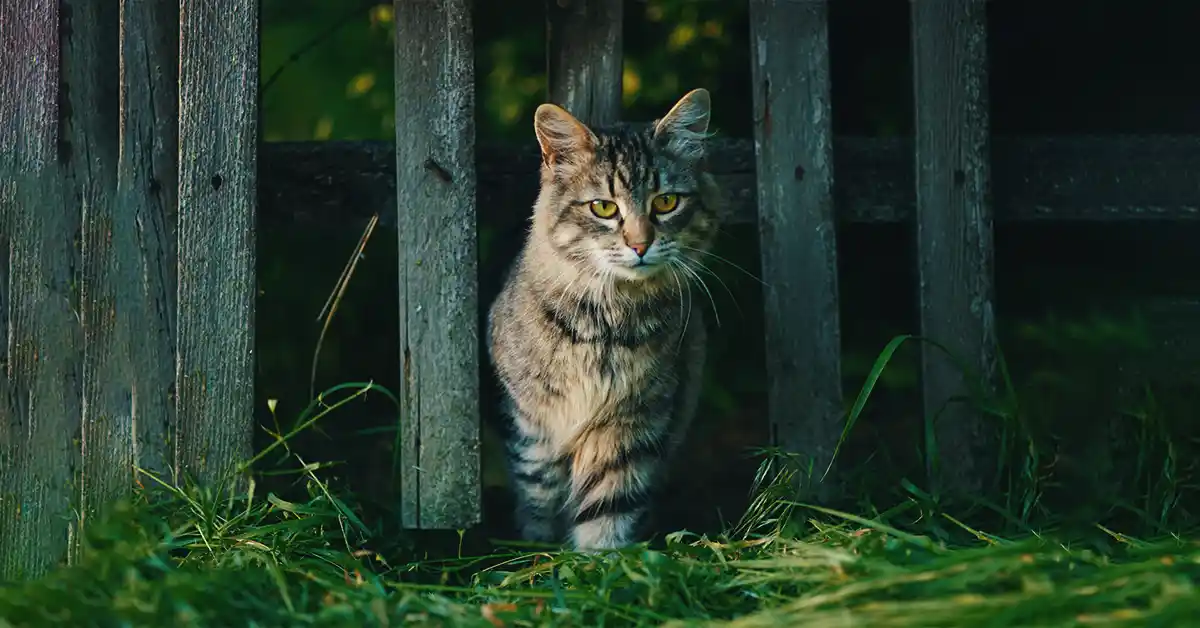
(181, 557)
(303, 550)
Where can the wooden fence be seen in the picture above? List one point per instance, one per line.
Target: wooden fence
(129, 196)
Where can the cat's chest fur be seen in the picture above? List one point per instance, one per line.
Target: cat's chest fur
(565, 363)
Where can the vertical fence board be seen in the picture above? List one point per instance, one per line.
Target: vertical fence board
(583, 56)
(218, 142)
(954, 227)
(90, 65)
(38, 457)
(794, 151)
(435, 195)
(147, 185)
(127, 300)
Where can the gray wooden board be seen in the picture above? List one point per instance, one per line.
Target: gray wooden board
(128, 291)
(797, 236)
(435, 210)
(41, 406)
(218, 143)
(954, 230)
(147, 185)
(90, 55)
(583, 57)
(1096, 178)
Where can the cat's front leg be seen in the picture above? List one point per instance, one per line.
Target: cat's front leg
(540, 484)
(615, 470)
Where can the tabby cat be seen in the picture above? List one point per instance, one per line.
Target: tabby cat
(593, 336)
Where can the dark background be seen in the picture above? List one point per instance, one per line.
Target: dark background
(1098, 322)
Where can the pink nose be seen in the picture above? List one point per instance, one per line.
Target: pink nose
(639, 248)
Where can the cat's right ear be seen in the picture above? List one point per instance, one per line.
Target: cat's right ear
(560, 135)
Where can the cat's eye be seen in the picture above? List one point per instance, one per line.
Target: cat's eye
(603, 209)
(665, 203)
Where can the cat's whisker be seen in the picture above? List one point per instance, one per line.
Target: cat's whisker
(693, 277)
(579, 295)
(597, 276)
(725, 260)
(686, 315)
(687, 320)
(700, 280)
(565, 292)
(701, 266)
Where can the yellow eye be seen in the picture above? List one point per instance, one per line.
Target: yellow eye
(665, 203)
(604, 209)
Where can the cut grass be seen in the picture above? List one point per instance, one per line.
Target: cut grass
(176, 556)
(188, 557)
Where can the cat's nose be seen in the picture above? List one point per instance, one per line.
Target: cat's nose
(638, 234)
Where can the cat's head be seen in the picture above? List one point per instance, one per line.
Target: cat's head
(627, 202)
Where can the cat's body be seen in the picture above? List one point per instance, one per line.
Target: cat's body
(594, 336)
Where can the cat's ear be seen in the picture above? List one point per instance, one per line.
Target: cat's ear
(685, 127)
(559, 134)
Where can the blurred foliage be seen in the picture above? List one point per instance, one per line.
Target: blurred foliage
(341, 87)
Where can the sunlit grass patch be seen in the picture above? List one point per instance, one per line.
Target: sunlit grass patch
(184, 556)
(177, 556)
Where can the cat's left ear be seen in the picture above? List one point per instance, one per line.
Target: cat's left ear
(685, 127)
(560, 136)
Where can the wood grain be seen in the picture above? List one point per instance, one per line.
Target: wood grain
(128, 289)
(147, 186)
(583, 57)
(39, 422)
(954, 231)
(90, 59)
(435, 201)
(218, 143)
(797, 235)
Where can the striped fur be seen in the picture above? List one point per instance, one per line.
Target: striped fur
(600, 357)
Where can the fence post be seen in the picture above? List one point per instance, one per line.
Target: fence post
(435, 197)
(147, 187)
(127, 303)
(954, 229)
(583, 58)
(218, 145)
(40, 408)
(794, 150)
(107, 441)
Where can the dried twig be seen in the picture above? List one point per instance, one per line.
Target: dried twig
(335, 297)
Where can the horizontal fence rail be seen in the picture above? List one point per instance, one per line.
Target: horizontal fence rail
(1088, 178)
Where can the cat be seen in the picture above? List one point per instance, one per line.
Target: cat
(593, 336)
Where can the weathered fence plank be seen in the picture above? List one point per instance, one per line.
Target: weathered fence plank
(954, 228)
(797, 237)
(218, 142)
(1101, 179)
(128, 288)
(147, 187)
(90, 60)
(38, 455)
(583, 57)
(435, 201)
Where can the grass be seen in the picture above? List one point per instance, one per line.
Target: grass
(180, 556)
(187, 556)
